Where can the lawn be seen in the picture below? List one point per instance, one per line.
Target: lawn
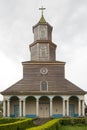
(83, 127)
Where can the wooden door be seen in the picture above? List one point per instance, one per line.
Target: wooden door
(16, 110)
(71, 110)
(44, 110)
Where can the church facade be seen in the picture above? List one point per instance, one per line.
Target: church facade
(44, 91)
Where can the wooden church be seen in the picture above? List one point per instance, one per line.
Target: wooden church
(44, 91)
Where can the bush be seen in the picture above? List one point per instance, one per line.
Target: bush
(51, 125)
(24, 123)
(55, 124)
(9, 120)
(72, 121)
(18, 125)
(65, 121)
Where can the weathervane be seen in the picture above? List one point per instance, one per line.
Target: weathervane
(42, 10)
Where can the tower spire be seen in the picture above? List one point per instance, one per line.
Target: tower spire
(42, 20)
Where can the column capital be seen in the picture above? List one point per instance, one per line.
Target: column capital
(51, 99)
(8, 100)
(82, 100)
(37, 99)
(4, 100)
(79, 99)
(20, 100)
(67, 100)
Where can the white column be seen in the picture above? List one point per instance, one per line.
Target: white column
(51, 107)
(63, 107)
(4, 108)
(37, 107)
(24, 107)
(20, 108)
(83, 110)
(79, 107)
(8, 108)
(67, 107)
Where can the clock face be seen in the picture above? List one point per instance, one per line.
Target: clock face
(43, 71)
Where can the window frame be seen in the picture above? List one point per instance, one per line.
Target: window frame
(41, 89)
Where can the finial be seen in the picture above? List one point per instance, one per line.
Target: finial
(42, 10)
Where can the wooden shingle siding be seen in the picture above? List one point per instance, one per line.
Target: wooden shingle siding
(54, 71)
(32, 78)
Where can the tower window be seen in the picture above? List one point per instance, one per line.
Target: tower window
(43, 86)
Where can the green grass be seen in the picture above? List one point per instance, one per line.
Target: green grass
(83, 127)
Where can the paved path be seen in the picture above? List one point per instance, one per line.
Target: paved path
(41, 121)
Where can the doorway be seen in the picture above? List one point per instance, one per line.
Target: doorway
(71, 110)
(44, 110)
(44, 107)
(16, 110)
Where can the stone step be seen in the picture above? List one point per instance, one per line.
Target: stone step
(41, 121)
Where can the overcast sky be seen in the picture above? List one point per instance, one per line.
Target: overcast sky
(69, 21)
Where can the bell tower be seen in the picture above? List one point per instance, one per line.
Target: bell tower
(42, 49)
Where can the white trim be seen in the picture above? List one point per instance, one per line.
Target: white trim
(8, 108)
(24, 107)
(4, 108)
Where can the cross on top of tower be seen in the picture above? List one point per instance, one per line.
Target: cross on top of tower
(42, 8)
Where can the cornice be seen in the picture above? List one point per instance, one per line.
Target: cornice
(43, 63)
(43, 41)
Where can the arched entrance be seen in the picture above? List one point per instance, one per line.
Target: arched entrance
(31, 106)
(57, 106)
(44, 107)
(73, 106)
(14, 106)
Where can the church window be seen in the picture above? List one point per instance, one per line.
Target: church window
(43, 86)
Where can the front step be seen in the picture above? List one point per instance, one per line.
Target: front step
(41, 121)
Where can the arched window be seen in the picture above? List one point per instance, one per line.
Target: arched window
(43, 86)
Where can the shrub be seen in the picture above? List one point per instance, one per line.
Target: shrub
(79, 120)
(65, 121)
(18, 125)
(55, 124)
(9, 120)
(72, 121)
(51, 125)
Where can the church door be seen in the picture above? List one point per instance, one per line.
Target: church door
(71, 110)
(44, 110)
(16, 110)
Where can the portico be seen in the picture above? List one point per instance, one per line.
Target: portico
(43, 106)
